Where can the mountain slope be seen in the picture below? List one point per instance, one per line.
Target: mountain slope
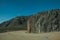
(49, 21)
(18, 23)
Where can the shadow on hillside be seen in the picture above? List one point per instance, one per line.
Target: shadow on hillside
(11, 31)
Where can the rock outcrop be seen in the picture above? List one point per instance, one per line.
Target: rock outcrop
(44, 22)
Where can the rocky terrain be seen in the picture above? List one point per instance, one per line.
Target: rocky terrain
(18, 23)
(46, 21)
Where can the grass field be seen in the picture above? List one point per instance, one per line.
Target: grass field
(22, 35)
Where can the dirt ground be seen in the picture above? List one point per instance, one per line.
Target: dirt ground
(22, 35)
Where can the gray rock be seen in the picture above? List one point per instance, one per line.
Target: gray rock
(47, 21)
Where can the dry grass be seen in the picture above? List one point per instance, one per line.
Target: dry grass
(21, 35)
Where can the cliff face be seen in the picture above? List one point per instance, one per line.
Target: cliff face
(45, 21)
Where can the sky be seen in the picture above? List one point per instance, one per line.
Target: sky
(12, 8)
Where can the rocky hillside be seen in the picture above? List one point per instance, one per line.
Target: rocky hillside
(18, 23)
(48, 21)
(45, 21)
